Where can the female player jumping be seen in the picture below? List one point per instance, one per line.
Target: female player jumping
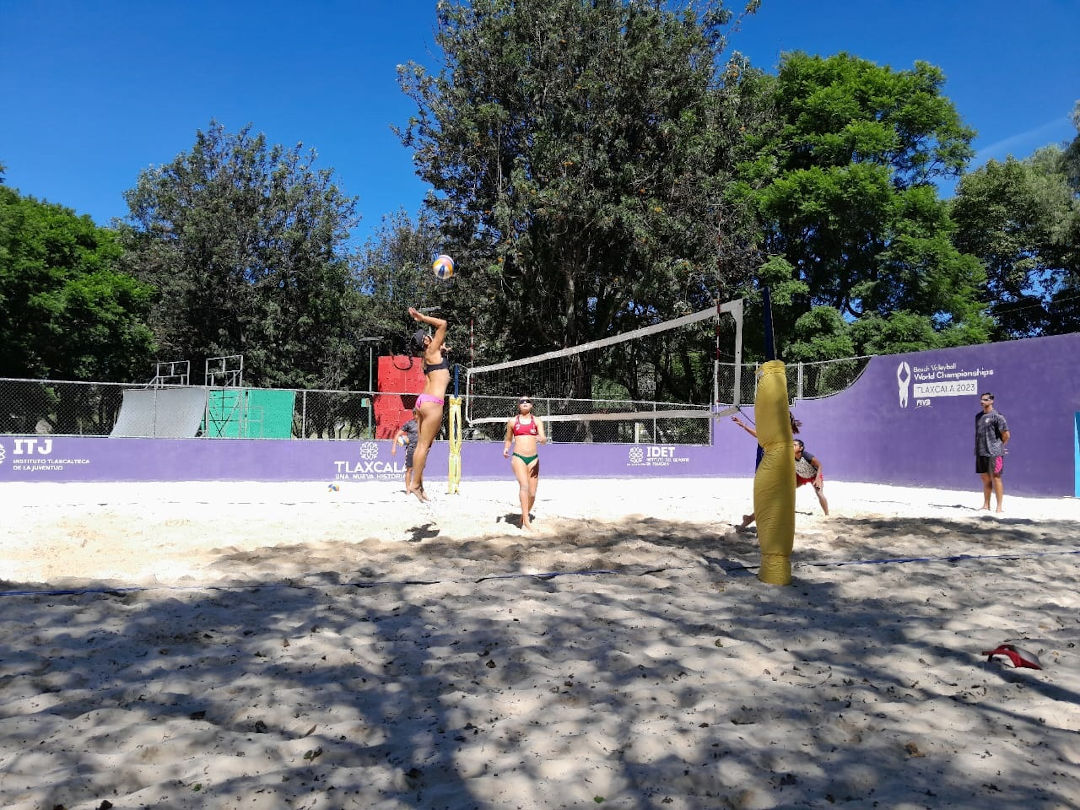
(429, 404)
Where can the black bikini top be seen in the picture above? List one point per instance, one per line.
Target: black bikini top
(444, 363)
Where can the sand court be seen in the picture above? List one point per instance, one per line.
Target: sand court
(284, 645)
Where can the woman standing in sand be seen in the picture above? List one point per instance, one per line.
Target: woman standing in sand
(429, 405)
(525, 432)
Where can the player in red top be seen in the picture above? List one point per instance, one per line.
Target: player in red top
(525, 432)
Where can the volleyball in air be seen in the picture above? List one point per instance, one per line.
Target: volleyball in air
(403, 440)
(443, 267)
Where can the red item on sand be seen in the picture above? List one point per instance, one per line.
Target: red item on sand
(1018, 657)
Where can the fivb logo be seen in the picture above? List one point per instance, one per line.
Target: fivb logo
(31, 447)
(903, 382)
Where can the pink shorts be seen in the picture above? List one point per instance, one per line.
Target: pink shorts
(420, 400)
(990, 465)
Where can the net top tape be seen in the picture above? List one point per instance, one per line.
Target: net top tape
(712, 312)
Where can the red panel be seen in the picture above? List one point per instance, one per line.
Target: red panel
(400, 374)
(402, 378)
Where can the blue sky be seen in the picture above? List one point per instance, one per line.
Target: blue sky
(94, 91)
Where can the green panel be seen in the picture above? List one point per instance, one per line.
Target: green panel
(270, 414)
(249, 413)
(224, 413)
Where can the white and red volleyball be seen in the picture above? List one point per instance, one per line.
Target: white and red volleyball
(443, 267)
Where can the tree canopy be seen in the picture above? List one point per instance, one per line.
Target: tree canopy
(1022, 219)
(841, 179)
(69, 312)
(577, 154)
(593, 167)
(392, 275)
(246, 245)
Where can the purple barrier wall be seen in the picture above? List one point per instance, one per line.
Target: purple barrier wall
(908, 420)
(62, 458)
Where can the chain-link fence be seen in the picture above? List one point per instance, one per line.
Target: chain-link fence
(727, 375)
(59, 408)
(804, 380)
(333, 415)
(66, 408)
(824, 378)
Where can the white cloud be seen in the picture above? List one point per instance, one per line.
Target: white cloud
(1024, 143)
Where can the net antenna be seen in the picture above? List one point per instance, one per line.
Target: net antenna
(661, 382)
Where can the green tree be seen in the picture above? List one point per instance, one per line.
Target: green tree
(68, 311)
(1022, 220)
(849, 218)
(394, 272)
(578, 154)
(1070, 160)
(1064, 309)
(246, 244)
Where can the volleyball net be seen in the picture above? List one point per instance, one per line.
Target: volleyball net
(660, 383)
